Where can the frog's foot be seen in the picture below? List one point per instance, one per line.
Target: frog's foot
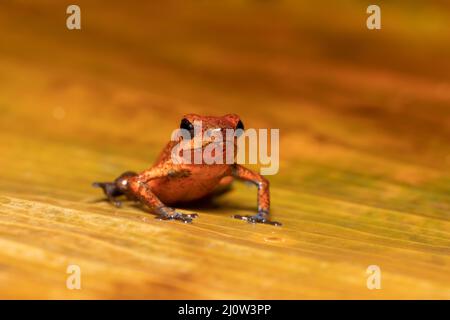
(260, 217)
(111, 191)
(171, 214)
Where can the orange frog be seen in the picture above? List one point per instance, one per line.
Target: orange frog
(169, 182)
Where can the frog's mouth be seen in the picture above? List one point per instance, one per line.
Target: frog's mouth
(223, 149)
(225, 143)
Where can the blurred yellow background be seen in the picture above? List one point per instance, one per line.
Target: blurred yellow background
(364, 119)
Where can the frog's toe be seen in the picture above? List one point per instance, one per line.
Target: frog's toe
(258, 218)
(191, 215)
(186, 218)
(182, 217)
(117, 203)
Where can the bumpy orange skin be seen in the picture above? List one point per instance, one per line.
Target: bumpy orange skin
(167, 183)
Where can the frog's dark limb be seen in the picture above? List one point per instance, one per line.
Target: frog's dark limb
(116, 188)
(138, 187)
(262, 183)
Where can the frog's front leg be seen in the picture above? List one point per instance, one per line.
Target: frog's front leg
(139, 188)
(262, 183)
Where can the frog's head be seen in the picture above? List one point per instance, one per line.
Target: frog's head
(201, 131)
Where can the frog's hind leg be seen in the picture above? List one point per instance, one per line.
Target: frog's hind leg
(116, 188)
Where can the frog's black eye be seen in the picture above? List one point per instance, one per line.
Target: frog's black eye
(239, 129)
(187, 125)
(240, 125)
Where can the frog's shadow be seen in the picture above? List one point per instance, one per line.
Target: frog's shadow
(209, 204)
